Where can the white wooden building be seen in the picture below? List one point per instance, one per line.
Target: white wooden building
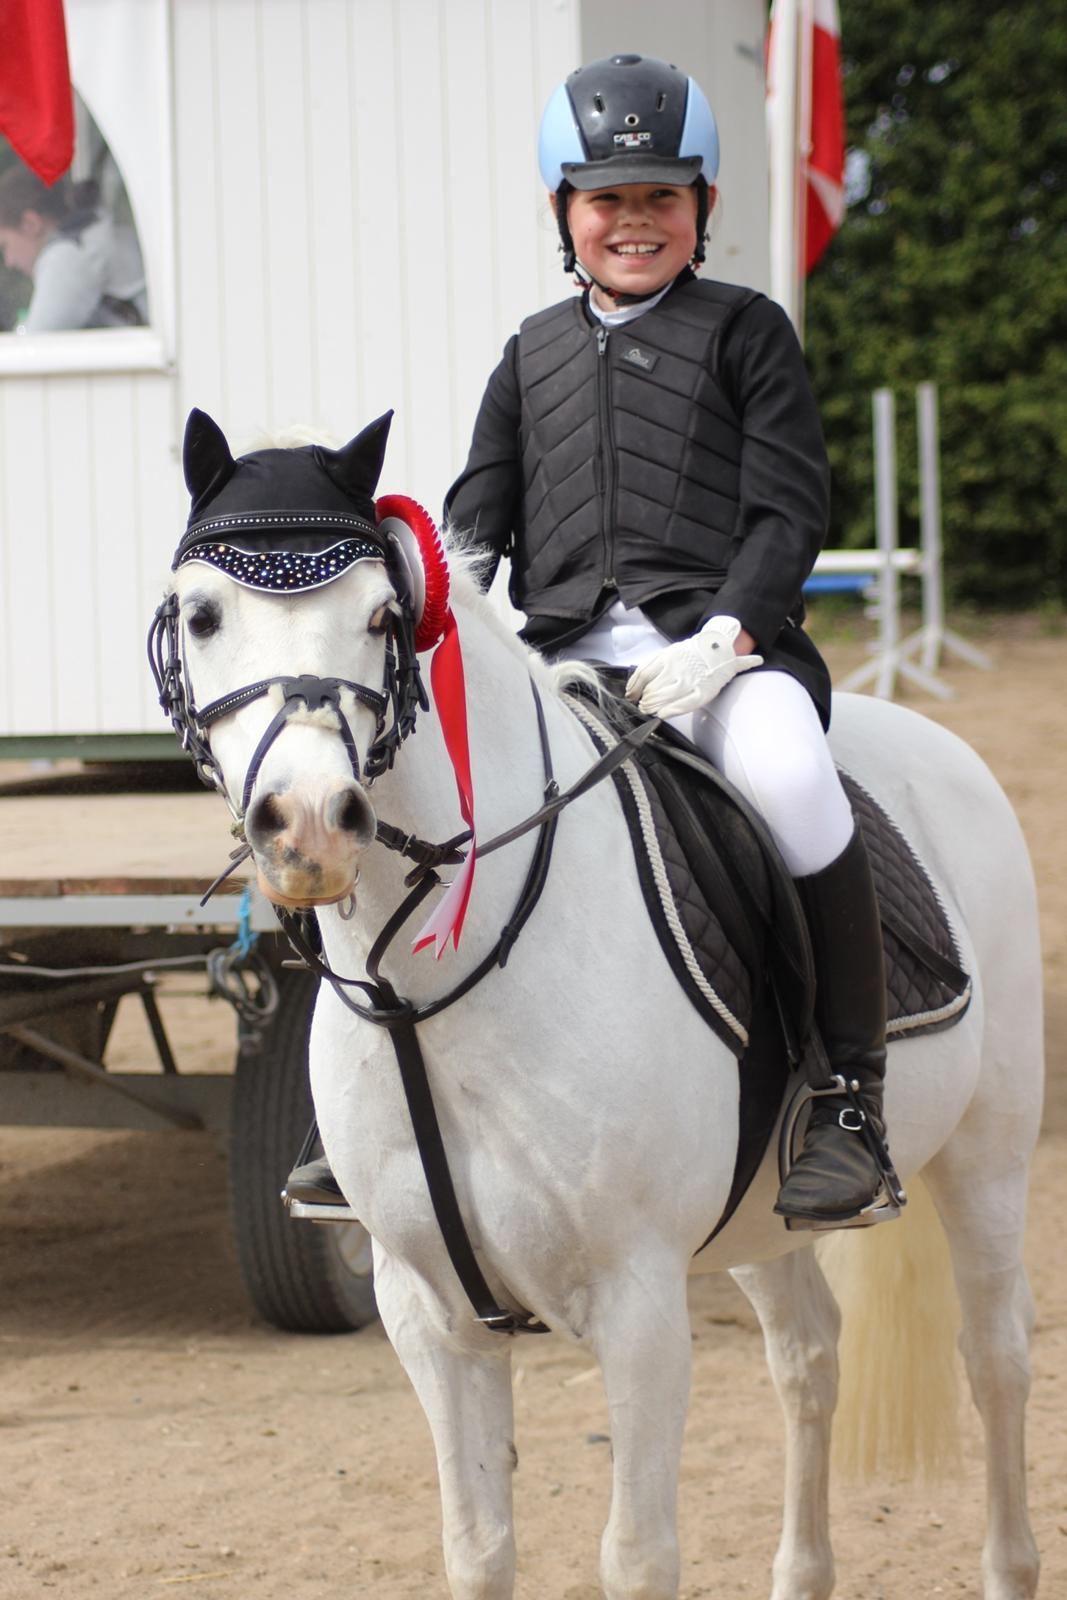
(339, 211)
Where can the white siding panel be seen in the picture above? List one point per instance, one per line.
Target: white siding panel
(337, 399)
(426, 211)
(75, 613)
(161, 506)
(372, 226)
(558, 52)
(243, 241)
(7, 564)
(287, 236)
(117, 597)
(27, 537)
(200, 275)
(471, 234)
(516, 194)
(379, 98)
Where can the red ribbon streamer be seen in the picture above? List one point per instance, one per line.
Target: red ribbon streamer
(450, 700)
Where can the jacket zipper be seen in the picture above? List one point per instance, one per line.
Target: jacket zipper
(607, 445)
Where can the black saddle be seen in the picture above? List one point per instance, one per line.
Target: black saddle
(732, 927)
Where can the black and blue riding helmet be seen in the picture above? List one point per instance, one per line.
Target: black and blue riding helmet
(628, 119)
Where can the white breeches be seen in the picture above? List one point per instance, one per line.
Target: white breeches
(762, 732)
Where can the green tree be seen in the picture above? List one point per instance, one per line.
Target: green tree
(952, 265)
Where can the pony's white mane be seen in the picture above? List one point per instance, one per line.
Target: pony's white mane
(294, 437)
(465, 560)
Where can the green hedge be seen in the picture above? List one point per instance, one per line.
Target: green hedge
(952, 266)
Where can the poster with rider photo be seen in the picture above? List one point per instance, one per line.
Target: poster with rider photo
(70, 257)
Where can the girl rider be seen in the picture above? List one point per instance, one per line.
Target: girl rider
(649, 456)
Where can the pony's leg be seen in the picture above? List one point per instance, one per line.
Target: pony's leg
(639, 1330)
(800, 1323)
(464, 1385)
(983, 1213)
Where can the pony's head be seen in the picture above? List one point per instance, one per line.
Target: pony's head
(286, 650)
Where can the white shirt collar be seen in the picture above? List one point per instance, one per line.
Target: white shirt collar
(623, 314)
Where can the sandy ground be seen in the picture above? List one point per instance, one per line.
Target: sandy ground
(153, 1436)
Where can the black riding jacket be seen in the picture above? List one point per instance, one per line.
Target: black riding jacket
(677, 462)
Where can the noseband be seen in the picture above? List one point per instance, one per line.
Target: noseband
(402, 691)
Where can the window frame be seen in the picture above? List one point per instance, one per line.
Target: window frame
(120, 59)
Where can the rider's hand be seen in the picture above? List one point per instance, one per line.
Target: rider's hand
(687, 675)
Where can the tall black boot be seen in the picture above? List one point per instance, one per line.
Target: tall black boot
(836, 1177)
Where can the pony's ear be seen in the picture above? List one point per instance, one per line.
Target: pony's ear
(206, 458)
(357, 466)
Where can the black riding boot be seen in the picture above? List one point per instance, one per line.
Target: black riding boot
(314, 1184)
(835, 1176)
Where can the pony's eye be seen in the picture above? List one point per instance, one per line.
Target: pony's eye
(203, 621)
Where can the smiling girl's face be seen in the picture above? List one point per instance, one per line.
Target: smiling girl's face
(635, 238)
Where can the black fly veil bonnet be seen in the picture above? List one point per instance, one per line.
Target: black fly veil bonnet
(281, 521)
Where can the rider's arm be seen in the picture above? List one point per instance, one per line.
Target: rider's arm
(784, 486)
(486, 498)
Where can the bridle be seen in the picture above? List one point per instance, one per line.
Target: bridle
(402, 694)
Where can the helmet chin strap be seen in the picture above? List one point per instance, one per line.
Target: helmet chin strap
(585, 280)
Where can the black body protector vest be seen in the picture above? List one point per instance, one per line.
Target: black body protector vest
(631, 453)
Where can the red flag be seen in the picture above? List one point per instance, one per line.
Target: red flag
(36, 102)
(806, 141)
(824, 167)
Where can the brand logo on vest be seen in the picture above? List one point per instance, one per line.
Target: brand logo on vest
(638, 358)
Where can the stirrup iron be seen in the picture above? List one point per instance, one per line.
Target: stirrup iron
(890, 1199)
(309, 1211)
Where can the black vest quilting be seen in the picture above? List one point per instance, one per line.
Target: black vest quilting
(631, 452)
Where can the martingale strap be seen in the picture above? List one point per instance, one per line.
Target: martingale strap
(388, 1010)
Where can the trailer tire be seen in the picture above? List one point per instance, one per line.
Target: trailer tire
(304, 1277)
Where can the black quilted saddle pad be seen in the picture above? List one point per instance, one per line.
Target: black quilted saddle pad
(725, 909)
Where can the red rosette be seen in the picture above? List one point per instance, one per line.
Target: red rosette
(420, 527)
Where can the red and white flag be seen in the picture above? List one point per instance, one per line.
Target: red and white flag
(806, 140)
(823, 158)
(36, 101)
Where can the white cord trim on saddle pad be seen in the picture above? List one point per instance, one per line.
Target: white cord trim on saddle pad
(659, 874)
(929, 1019)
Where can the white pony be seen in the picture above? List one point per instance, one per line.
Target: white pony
(589, 1115)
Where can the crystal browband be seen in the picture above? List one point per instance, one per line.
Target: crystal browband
(284, 569)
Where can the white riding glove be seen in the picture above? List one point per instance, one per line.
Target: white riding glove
(689, 674)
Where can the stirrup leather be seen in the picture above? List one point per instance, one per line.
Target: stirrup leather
(890, 1199)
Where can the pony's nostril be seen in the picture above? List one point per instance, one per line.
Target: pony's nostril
(265, 817)
(350, 813)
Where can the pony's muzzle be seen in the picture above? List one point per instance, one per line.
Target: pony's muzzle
(307, 840)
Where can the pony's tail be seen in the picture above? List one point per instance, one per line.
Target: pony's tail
(898, 1405)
